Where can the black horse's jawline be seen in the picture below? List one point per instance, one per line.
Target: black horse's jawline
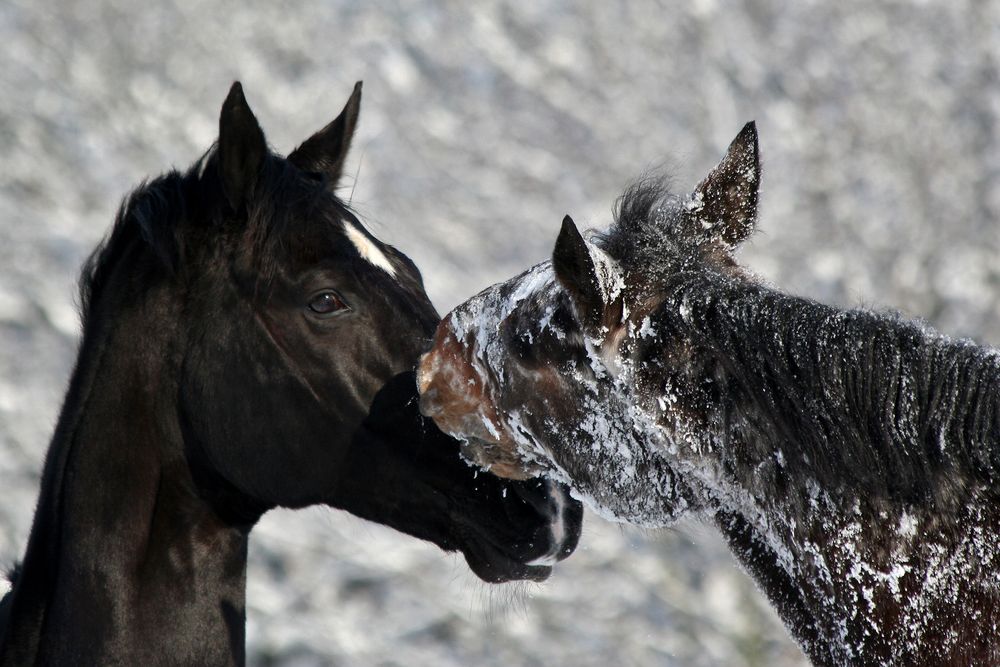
(502, 527)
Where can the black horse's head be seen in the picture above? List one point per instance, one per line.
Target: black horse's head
(297, 332)
(582, 367)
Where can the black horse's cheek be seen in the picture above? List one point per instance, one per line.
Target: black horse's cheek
(502, 527)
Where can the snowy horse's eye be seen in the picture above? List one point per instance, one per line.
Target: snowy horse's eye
(327, 303)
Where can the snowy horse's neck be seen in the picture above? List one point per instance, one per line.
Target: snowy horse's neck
(849, 461)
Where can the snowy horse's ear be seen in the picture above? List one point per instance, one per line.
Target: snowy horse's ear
(586, 273)
(726, 201)
(242, 147)
(325, 151)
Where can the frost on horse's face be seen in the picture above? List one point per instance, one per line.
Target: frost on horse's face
(849, 458)
(561, 370)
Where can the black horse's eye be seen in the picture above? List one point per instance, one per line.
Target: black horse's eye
(327, 303)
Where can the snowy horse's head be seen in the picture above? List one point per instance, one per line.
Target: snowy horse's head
(569, 367)
(849, 458)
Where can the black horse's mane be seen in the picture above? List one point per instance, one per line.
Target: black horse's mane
(148, 214)
(156, 215)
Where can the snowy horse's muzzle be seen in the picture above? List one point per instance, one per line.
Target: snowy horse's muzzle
(456, 395)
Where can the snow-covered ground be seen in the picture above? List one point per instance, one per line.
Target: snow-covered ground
(482, 124)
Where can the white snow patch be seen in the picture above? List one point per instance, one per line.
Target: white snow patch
(907, 525)
(646, 329)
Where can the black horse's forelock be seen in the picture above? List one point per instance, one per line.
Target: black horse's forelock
(153, 218)
(287, 202)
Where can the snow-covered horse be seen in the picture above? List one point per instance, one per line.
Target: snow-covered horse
(247, 344)
(850, 458)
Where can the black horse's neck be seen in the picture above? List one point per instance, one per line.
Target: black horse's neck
(125, 563)
(856, 461)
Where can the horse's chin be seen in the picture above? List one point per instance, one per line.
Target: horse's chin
(496, 555)
(494, 567)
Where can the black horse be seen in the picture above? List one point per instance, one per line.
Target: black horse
(850, 458)
(246, 344)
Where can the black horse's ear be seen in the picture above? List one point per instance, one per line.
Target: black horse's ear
(325, 151)
(242, 147)
(578, 273)
(726, 201)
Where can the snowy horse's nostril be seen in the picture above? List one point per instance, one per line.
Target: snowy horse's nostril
(424, 372)
(429, 405)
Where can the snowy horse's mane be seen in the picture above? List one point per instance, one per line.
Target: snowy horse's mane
(863, 403)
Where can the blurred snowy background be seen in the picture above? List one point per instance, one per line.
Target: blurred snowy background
(482, 125)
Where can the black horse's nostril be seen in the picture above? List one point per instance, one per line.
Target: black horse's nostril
(528, 537)
(567, 519)
(565, 516)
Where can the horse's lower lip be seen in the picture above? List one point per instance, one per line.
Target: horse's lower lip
(538, 573)
(494, 565)
(496, 568)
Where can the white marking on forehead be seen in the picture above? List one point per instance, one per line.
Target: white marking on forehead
(369, 250)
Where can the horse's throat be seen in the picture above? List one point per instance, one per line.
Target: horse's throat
(132, 578)
(126, 564)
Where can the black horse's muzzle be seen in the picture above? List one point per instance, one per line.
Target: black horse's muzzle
(542, 527)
